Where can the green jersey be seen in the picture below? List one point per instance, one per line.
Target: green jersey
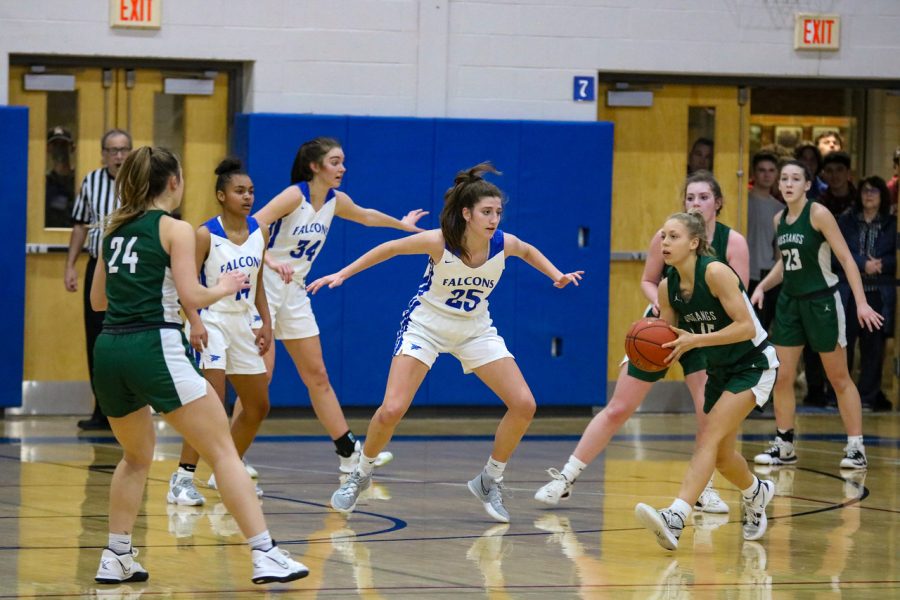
(139, 284)
(805, 255)
(703, 313)
(719, 243)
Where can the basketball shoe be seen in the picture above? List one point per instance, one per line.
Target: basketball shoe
(780, 452)
(349, 463)
(754, 520)
(854, 457)
(276, 566)
(182, 490)
(120, 568)
(489, 491)
(345, 498)
(558, 489)
(710, 502)
(666, 524)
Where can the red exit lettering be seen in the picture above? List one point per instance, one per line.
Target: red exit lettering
(817, 31)
(136, 11)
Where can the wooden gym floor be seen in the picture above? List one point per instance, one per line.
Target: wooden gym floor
(420, 534)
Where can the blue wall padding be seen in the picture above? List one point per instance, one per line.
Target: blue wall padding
(557, 177)
(14, 200)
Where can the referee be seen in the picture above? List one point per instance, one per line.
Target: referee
(96, 200)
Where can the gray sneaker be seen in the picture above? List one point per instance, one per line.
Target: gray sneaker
(344, 499)
(666, 524)
(489, 492)
(754, 521)
(182, 490)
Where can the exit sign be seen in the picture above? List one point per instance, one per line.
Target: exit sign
(138, 14)
(817, 32)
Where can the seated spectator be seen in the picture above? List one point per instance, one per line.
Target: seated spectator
(871, 234)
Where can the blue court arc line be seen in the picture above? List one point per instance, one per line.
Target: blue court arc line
(875, 440)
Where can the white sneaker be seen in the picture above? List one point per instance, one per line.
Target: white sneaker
(211, 484)
(710, 502)
(854, 457)
(558, 489)
(119, 568)
(182, 490)
(276, 566)
(755, 521)
(666, 524)
(251, 470)
(349, 463)
(779, 452)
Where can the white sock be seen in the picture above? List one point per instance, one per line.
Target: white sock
(366, 463)
(261, 541)
(751, 491)
(184, 473)
(855, 440)
(573, 468)
(494, 468)
(682, 508)
(120, 543)
(709, 483)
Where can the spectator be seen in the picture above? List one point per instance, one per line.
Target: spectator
(700, 158)
(808, 153)
(829, 141)
(60, 181)
(841, 194)
(871, 234)
(892, 184)
(762, 207)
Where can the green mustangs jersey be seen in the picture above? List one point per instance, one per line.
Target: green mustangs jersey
(805, 255)
(703, 313)
(139, 284)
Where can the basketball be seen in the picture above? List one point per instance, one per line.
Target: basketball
(643, 344)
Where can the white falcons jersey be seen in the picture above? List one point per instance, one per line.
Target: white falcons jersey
(225, 256)
(453, 288)
(298, 238)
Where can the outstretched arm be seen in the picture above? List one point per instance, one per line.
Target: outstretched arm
(513, 246)
(347, 209)
(822, 219)
(428, 242)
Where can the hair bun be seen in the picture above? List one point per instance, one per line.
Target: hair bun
(229, 165)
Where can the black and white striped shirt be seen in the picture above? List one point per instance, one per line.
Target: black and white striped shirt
(95, 202)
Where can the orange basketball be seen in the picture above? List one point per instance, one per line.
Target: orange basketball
(643, 344)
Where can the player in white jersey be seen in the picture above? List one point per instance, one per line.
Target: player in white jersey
(450, 314)
(231, 335)
(298, 219)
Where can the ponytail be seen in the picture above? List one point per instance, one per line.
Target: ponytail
(468, 188)
(142, 177)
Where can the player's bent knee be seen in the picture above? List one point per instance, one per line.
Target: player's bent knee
(390, 413)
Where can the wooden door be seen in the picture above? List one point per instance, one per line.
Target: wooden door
(194, 126)
(650, 150)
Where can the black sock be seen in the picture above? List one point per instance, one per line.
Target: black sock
(187, 467)
(346, 444)
(786, 436)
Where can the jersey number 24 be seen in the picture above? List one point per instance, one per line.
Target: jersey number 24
(129, 257)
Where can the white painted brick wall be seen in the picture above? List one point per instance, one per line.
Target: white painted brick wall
(460, 58)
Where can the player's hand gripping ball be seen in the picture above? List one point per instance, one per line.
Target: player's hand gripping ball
(643, 344)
